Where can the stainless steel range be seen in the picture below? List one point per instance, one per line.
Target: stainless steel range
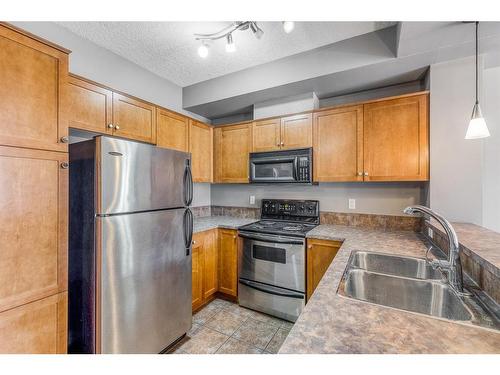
(272, 270)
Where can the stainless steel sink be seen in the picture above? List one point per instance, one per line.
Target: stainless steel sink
(395, 265)
(425, 297)
(411, 284)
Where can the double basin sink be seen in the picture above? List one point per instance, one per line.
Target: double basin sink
(410, 284)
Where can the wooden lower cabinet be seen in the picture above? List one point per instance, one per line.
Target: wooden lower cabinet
(197, 274)
(320, 254)
(38, 327)
(204, 267)
(228, 262)
(214, 256)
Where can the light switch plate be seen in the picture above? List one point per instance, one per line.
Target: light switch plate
(252, 199)
(352, 204)
(430, 233)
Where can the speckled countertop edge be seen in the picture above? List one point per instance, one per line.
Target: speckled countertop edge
(334, 324)
(211, 222)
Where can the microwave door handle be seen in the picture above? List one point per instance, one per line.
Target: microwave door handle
(295, 169)
(271, 290)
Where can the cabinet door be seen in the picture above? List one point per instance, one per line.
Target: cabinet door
(89, 106)
(210, 263)
(172, 130)
(338, 144)
(36, 328)
(33, 225)
(232, 147)
(197, 272)
(296, 131)
(266, 135)
(134, 119)
(320, 254)
(396, 144)
(33, 86)
(228, 262)
(201, 148)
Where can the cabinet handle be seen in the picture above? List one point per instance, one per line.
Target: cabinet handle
(117, 127)
(194, 242)
(282, 143)
(360, 173)
(365, 174)
(64, 165)
(234, 237)
(111, 126)
(309, 247)
(64, 139)
(278, 144)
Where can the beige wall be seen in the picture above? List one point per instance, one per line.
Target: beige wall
(375, 198)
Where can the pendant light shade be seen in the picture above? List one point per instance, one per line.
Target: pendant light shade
(477, 126)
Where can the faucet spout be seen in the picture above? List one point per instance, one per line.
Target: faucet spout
(453, 266)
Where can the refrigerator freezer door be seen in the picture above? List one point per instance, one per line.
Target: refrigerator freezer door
(145, 281)
(140, 177)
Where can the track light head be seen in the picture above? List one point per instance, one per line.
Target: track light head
(257, 31)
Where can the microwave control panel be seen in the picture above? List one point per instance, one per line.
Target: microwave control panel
(303, 169)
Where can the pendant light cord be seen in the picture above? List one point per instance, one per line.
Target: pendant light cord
(477, 26)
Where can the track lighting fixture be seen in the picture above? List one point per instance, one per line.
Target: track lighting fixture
(230, 46)
(288, 26)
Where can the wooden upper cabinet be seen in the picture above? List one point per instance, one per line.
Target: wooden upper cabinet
(266, 135)
(33, 225)
(33, 86)
(134, 119)
(89, 106)
(228, 262)
(396, 139)
(296, 131)
(320, 254)
(232, 147)
(39, 327)
(172, 130)
(201, 148)
(338, 144)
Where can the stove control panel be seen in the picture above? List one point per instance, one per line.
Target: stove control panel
(292, 208)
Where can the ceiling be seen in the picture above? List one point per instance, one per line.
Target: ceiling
(169, 49)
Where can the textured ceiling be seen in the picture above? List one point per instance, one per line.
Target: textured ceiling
(170, 50)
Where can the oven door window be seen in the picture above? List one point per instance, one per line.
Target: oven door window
(282, 171)
(271, 254)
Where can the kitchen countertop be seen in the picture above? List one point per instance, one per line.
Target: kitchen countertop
(331, 323)
(211, 222)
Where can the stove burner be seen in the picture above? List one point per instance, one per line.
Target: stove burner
(265, 224)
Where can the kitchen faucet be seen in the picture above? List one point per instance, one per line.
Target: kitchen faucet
(453, 266)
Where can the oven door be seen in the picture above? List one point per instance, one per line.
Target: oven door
(273, 169)
(273, 260)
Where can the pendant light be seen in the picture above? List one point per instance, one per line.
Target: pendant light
(477, 126)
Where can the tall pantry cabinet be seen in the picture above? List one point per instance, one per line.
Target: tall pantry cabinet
(33, 194)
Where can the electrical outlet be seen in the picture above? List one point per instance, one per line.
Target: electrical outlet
(252, 199)
(352, 204)
(430, 233)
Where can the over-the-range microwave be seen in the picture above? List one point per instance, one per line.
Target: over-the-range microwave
(286, 166)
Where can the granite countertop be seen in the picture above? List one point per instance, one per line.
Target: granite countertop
(211, 222)
(331, 323)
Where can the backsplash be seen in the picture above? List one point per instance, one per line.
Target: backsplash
(384, 222)
(479, 271)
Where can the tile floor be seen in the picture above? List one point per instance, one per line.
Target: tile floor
(223, 327)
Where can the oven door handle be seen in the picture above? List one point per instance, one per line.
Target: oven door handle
(271, 290)
(270, 240)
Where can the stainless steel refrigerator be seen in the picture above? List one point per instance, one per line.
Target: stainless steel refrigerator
(129, 248)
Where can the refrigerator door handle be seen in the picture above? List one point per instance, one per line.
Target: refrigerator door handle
(188, 230)
(188, 184)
